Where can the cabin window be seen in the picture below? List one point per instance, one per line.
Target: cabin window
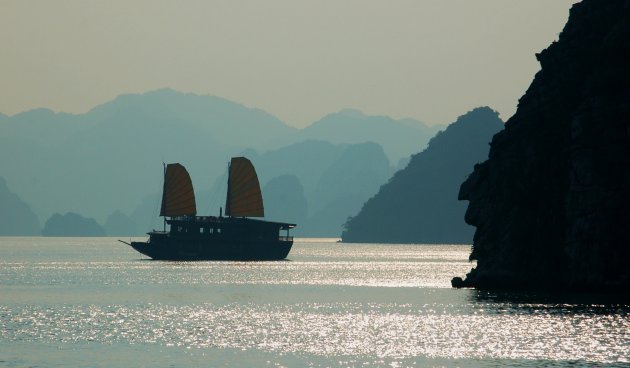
(201, 230)
(219, 231)
(211, 230)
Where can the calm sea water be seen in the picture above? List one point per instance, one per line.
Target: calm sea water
(96, 302)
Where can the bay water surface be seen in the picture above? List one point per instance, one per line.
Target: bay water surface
(95, 302)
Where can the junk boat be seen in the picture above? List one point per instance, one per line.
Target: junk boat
(234, 236)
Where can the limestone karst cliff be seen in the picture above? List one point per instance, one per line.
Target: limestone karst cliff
(71, 224)
(419, 203)
(552, 202)
(16, 216)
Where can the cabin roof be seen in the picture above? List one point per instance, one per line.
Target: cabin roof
(215, 219)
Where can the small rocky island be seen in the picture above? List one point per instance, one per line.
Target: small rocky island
(552, 203)
(72, 224)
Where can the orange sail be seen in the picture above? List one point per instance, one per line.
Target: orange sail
(244, 198)
(178, 197)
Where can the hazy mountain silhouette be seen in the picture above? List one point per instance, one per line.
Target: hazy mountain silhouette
(307, 160)
(328, 221)
(551, 204)
(16, 217)
(419, 203)
(284, 200)
(72, 224)
(232, 123)
(41, 127)
(344, 187)
(110, 157)
(119, 224)
(361, 170)
(296, 178)
(340, 178)
(145, 217)
(399, 138)
(330, 174)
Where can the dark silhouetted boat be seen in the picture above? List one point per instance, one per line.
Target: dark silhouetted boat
(234, 236)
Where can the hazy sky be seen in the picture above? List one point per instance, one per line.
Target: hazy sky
(299, 60)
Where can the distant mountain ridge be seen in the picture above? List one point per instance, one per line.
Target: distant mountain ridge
(339, 176)
(232, 122)
(72, 224)
(419, 203)
(16, 217)
(109, 159)
(399, 138)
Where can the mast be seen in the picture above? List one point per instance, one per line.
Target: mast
(164, 191)
(227, 196)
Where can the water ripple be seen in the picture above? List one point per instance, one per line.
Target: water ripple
(96, 301)
(332, 329)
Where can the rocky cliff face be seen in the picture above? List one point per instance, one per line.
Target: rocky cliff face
(552, 202)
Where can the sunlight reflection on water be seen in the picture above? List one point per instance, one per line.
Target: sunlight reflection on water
(363, 304)
(330, 329)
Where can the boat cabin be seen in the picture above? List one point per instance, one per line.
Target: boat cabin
(212, 227)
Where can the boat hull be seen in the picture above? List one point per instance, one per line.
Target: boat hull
(197, 250)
